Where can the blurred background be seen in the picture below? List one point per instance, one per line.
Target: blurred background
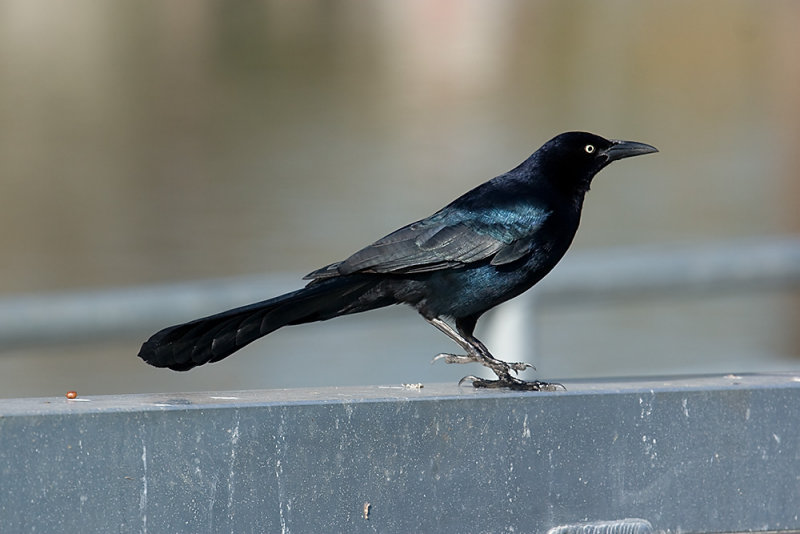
(155, 142)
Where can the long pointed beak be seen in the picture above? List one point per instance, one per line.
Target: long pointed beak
(627, 149)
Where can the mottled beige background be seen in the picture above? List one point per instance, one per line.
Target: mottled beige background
(155, 141)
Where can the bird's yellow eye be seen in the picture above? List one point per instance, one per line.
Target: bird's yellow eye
(589, 149)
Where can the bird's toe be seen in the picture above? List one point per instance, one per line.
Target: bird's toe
(454, 358)
(514, 384)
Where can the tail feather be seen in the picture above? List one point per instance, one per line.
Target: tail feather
(210, 339)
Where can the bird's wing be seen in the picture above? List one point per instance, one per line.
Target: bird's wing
(447, 239)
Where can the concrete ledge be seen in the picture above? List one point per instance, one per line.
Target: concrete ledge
(686, 454)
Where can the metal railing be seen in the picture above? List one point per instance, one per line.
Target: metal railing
(687, 454)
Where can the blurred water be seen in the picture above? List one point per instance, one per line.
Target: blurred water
(152, 141)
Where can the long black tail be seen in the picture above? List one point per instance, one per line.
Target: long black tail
(210, 339)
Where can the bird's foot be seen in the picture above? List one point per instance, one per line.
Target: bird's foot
(512, 383)
(502, 369)
(489, 362)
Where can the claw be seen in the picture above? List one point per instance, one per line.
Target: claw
(520, 366)
(470, 378)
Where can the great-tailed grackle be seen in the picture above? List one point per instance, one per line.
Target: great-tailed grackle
(485, 247)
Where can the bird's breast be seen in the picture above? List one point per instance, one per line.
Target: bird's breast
(473, 290)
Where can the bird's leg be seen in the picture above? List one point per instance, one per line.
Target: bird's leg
(473, 353)
(466, 327)
(478, 353)
(514, 366)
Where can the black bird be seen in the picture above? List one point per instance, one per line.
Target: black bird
(487, 246)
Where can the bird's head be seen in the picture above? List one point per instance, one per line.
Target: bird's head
(572, 159)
